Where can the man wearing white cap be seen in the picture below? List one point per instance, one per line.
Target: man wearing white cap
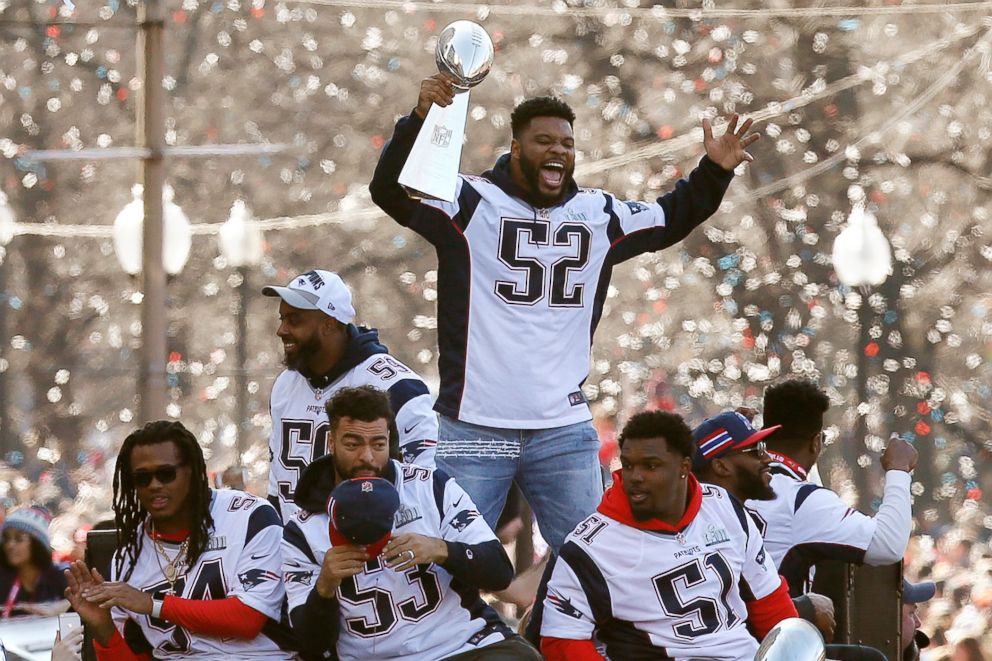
(324, 352)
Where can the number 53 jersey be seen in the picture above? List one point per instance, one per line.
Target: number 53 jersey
(653, 594)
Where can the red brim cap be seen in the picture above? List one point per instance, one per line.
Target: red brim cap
(758, 435)
(338, 539)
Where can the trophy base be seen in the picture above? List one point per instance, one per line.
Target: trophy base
(431, 169)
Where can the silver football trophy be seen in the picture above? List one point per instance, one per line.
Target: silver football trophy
(792, 639)
(465, 51)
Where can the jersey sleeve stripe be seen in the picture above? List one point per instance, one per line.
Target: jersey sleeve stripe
(260, 519)
(742, 515)
(292, 534)
(590, 579)
(274, 501)
(804, 492)
(454, 304)
(440, 483)
(468, 202)
(403, 391)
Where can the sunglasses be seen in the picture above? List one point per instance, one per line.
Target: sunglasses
(164, 474)
(760, 448)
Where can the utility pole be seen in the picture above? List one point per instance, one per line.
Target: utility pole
(151, 173)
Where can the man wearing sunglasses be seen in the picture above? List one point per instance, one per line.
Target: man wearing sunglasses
(734, 455)
(325, 352)
(196, 572)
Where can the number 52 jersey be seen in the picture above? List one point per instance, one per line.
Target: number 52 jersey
(651, 594)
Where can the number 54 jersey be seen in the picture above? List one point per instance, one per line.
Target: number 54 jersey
(654, 594)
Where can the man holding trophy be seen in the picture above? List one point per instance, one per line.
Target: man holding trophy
(524, 264)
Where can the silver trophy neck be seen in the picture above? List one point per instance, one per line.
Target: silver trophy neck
(464, 51)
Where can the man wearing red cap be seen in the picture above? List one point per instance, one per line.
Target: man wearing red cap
(666, 567)
(385, 560)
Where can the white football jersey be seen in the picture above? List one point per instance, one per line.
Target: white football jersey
(806, 523)
(420, 614)
(521, 289)
(243, 559)
(299, 420)
(645, 594)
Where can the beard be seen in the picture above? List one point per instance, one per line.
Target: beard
(347, 474)
(305, 351)
(532, 174)
(753, 486)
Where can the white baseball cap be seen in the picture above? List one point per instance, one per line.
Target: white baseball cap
(317, 290)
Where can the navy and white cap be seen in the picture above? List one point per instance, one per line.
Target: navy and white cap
(917, 593)
(362, 511)
(722, 433)
(317, 290)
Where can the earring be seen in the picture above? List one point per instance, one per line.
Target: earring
(682, 476)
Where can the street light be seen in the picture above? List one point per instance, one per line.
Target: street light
(862, 258)
(177, 239)
(171, 238)
(242, 247)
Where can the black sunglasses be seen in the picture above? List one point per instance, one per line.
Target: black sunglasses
(164, 474)
(759, 448)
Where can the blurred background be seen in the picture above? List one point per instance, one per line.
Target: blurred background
(875, 118)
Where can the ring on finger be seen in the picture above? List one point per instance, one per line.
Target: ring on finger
(409, 554)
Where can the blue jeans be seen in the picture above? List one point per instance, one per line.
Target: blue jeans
(557, 471)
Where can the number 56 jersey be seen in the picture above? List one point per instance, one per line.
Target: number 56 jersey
(663, 594)
(299, 421)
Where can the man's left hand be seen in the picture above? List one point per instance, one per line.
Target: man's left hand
(729, 150)
(122, 595)
(406, 551)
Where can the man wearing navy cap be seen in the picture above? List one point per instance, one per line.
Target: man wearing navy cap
(385, 560)
(732, 454)
(913, 640)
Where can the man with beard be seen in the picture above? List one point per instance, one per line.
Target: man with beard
(666, 567)
(324, 353)
(416, 596)
(524, 264)
(732, 454)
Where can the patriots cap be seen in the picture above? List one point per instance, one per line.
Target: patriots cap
(362, 512)
(723, 433)
(917, 593)
(317, 290)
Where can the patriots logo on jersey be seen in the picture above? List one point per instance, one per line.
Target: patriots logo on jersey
(563, 605)
(413, 450)
(760, 558)
(303, 577)
(462, 520)
(255, 577)
(636, 207)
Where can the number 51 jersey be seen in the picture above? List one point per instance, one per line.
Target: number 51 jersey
(648, 594)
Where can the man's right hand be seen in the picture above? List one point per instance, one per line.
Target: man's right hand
(899, 455)
(438, 89)
(79, 577)
(340, 562)
(824, 609)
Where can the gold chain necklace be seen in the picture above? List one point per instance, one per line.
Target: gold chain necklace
(171, 568)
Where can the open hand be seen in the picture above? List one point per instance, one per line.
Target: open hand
(79, 578)
(728, 151)
(115, 593)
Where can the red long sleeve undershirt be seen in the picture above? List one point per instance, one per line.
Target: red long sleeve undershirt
(563, 649)
(221, 618)
(765, 613)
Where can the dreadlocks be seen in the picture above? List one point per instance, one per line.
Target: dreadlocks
(128, 512)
